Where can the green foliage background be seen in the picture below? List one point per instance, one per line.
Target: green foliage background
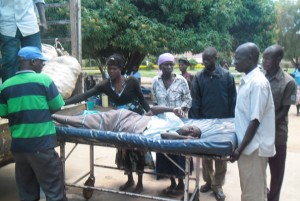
(288, 23)
(137, 28)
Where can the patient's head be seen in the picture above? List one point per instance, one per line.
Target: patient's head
(190, 130)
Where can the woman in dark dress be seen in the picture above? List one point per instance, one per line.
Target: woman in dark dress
(123, 92)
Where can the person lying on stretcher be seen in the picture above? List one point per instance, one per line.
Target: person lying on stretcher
(159, 122)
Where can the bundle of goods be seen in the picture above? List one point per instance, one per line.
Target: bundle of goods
(49, 51)
(63, 70)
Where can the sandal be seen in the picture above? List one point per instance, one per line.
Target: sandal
(125, 186)
(168, 190)
(138, 189)
(219, 195)
(176, 192)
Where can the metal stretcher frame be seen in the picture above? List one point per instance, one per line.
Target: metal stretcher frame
(226, 143)
(89, 188)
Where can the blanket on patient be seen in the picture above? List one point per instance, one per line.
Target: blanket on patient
(115, 120)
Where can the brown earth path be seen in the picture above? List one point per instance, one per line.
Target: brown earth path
(78, 164)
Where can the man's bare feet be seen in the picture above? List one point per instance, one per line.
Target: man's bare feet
(127, 185)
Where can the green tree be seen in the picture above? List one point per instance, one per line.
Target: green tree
(288, 21)
(256, 23)
(61, 31)
(136, 28)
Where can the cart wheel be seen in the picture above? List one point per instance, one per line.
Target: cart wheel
(88, 193)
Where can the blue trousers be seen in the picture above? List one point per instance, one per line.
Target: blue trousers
(10, 47)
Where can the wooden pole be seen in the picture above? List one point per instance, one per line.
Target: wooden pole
(73, 27)
(79, 31)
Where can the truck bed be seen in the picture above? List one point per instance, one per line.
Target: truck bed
(5, 137)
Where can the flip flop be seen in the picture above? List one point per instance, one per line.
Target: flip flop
(168, 190)
(176, 192)
(138, 190)
(125, 186)
(219, 195)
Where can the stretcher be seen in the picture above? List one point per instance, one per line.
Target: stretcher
(218, 141)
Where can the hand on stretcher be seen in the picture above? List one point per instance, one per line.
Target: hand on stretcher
(178, 111)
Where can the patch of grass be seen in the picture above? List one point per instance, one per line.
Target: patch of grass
(154, 72)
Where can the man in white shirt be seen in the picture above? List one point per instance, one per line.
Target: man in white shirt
(18, 28)
(254, 124)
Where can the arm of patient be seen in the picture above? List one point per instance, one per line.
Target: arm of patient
(174, 136)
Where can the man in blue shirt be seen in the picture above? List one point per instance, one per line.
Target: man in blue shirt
(135, 73)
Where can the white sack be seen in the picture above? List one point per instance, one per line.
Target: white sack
(64, 71)
(49, 51)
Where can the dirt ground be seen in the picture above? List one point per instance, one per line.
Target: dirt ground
(78, 164)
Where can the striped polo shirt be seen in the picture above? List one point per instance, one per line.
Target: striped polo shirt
(27, 100)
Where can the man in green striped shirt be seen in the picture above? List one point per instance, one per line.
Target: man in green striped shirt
(28, 99)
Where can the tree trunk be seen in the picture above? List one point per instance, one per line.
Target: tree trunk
(133, 59)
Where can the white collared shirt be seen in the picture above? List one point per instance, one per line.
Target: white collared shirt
(255, 101)
(18, 14)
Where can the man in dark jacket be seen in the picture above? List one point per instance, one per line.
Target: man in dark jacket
(213, 96)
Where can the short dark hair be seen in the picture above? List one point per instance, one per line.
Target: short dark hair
(211, 51)
(278, 51)
(116, 60)
(223, 62)
(184, 60)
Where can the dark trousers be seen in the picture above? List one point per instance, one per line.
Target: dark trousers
(277, 166)
(10, 47)
(165, 166)
(39, 169)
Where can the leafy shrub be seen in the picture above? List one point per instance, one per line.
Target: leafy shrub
(198, 66)
(150, 66)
